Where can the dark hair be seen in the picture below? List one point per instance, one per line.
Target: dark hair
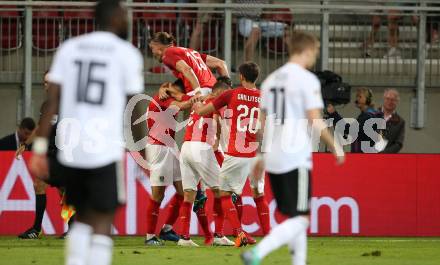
(104, 11)
(300, 41)
(163, 38)
(225, 79)
(221, 85)
(249, 71)
(179, 83)
(27, 123)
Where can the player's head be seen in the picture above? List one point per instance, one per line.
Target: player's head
(27, 125)
(222, 84)
(249, 72)
(111, 16)
(46, 80)
(225, 79)
(159, 43)
(304, 47)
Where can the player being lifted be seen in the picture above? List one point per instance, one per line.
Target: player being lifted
(89, 81)
(162, 159)
(186, 64)
(242, 111)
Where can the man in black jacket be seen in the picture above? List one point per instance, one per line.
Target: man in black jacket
(13, 141)
(395, 131)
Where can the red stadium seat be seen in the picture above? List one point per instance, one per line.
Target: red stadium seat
(78, 22)
(10, 29)
(46, 30)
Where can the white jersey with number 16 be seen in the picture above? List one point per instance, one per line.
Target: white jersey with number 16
(96, 72)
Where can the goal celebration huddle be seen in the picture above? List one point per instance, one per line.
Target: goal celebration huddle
(233, 135)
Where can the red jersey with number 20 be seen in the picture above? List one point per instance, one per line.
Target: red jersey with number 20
(201, 128)
(195, 60)
(244, 122)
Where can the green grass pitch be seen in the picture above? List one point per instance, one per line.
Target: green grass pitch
(322, 250)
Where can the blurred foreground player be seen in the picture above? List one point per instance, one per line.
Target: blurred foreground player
(292, 103)
(89, 81)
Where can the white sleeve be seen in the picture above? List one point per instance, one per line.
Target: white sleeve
(134, 72)
(311, 92)
(57, 70)
(264, 93)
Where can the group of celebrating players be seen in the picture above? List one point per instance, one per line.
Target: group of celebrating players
(218, 150)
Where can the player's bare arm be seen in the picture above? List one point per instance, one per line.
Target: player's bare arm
(39, 164)
(218, 64)
(315, 119)
(189, 74)
(202, 110)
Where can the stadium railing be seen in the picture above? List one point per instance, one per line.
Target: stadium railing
(342, 26)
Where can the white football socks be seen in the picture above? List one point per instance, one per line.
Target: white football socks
(282, 234)
(101, 250)
(298, 247)
(78, 244)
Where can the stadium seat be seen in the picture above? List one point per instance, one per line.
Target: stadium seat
(77, 22)
(10, 30)
(46, 30)
(277, 45)
(148, 23)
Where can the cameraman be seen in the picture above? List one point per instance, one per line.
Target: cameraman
(364, 101)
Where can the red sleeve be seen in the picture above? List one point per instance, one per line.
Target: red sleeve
(171, 57)
(223, 99)
(204, 57)
(166, 103)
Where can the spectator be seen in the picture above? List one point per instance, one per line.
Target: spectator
(394, 133)
(364, 101)
(252, 27)
(432, 26)
(393, 17)
(203, 17)
(13, 141)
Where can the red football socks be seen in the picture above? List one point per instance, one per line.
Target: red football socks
(219, 217)
(231, 213)
(263, 214)
(152, 215)
(173, 209)
(239, 207)
(185, 219)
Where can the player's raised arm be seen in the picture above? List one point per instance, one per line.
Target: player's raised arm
(188, 73)
(218, 64)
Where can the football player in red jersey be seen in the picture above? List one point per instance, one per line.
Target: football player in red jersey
(243, 107)
(186, 64)
(162, 160)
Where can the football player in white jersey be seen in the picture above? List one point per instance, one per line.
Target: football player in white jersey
(89, 81)
(292, 102)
